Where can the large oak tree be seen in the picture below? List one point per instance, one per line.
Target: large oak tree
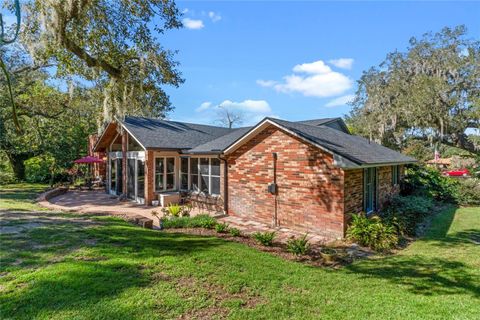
(429, 92)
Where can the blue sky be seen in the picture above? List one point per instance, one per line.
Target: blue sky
(293, 60)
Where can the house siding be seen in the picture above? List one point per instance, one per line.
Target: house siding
(310, 187)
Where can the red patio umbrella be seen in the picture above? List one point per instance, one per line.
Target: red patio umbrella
(88, 160)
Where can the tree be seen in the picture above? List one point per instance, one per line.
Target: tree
(55, 123)
(228, 118)
(113, 44)
(431, 92)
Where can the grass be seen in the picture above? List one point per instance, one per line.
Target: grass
(87, 267)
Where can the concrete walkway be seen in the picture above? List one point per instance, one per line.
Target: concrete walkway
(84, 201)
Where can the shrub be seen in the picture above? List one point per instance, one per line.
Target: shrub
(468, 192)
(234, 232)
(372, 232)
(298, 246)
(37, 169)
(405, 212)
(265, 238)
(173, 209)
(200, 221)
(429, 182)
(221, 227)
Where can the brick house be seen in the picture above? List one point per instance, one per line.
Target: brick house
(306, 175)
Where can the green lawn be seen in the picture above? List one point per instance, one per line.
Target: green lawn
(85, 267)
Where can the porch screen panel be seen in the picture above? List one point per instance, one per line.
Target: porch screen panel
(113, 175)
(159, 171)
(204, 174)
(140, 179)
(194, 173)
(170, 172)
(183, 173)
(119, 176)
(131, 178)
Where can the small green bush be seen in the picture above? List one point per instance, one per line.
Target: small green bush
(405, 212)
(221, 227)
(468, 192)
(174, 209)
(234, 232)
(298, 246)
(264, 238)
(372, 232)
(37, 169)
(425, 181)
(200, 221)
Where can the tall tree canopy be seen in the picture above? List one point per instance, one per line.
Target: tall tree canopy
(431, 92)
(114, 44)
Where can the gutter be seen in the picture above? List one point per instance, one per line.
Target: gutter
(225, 183)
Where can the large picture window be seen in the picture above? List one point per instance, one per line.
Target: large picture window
(204, 175)
(164, 174)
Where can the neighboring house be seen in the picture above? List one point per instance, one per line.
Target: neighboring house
(442, 163)
(305, 175)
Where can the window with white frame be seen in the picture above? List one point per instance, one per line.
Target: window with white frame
(164, 174)
(204, 175)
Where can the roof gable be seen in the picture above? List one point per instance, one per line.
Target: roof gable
(350, 150)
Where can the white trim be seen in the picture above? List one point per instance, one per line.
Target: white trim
(128, 131)
(164, 160)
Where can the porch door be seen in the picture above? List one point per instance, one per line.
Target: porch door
(370, 188)
(119, 176)
(113, 176)
(140, 179)
(131, 178)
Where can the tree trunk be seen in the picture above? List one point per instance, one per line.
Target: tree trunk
(18, 165)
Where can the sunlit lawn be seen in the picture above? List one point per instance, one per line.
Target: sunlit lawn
(63, 266)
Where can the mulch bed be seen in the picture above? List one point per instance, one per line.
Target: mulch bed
(346, 252)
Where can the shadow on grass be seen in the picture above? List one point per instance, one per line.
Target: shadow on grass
(74, 264)
(428, 272)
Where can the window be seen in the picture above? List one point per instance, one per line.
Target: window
(214, 176)
(184, 173)
(395, 175)
(164, 174)
(204, 175)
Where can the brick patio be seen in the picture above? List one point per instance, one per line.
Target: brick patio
(96, 201)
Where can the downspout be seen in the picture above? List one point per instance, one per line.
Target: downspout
(225, 183)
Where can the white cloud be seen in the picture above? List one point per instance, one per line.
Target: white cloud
(340, 101)
(343, 63)
(317, 67)
(214, 16)
(204, 106)
(254, 106)
(314, 79)
(193, 24)
(266, 83)
(185, 10)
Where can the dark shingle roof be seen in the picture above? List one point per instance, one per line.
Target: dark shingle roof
(354, 148)
(221, 143)
(197, 138)
(164, 134)
(317, 122)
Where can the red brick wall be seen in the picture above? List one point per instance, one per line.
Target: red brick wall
(354, 191)
(354, 188)
(98, 169)
(310, 188)
(149, 177)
